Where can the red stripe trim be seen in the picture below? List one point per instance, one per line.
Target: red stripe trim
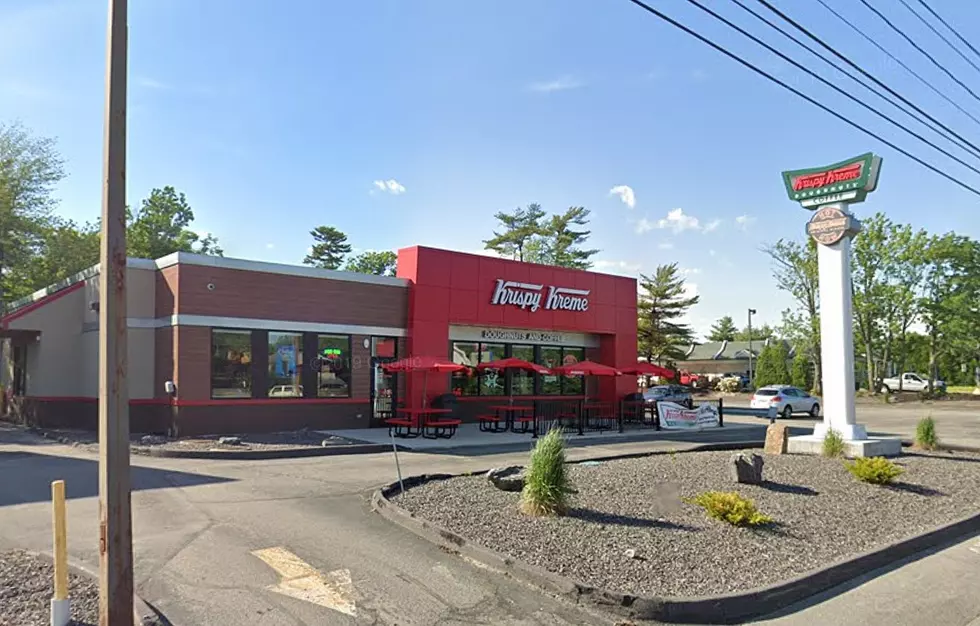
(33, 306)
(229, 402)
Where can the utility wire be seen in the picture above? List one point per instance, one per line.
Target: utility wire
(962, 143)
(952, 30)
(799, 93)
(919, 48)
(894, 58)
(939, 34)
(840, 56)
(823, 80)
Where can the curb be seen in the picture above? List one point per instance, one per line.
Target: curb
(258, 455)
(143, 613)
(722, 609)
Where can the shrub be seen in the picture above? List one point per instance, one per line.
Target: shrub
(936, 394)
(730, 384)
(833, 444)
(925, 434)
(875, 470)
(730, 507)
(546, 484)
(772, 368)
(801, 370)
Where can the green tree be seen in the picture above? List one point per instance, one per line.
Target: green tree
(801, 371)
(723, 330)
(519, 229)
(66, 249)
(329, 248)
(30, 167)
(560, 243)
(663, 302)
(795, 271)
(946, 302)
(161, 226)
(381, 263)
(759, 333)
(772, 367)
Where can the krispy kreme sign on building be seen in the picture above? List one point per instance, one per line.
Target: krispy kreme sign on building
(532, 297)
(848, 181)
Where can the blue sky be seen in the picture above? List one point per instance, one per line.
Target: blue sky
(274, 121)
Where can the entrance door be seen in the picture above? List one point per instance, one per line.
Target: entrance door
(384, 386)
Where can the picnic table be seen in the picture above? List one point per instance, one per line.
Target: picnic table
(509, 415)
(423, 421)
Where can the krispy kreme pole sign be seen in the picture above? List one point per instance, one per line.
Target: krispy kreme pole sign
(849, 181)
(532, 297)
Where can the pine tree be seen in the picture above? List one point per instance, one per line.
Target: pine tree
(662, 303)
(772, 368)
(723, 330)
(801, 371)
(520, 229)
(329, 248)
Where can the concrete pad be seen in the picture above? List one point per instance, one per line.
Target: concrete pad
(872, 446)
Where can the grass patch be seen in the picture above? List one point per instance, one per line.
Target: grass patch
(925, 434)
(960, 389)
(546, 484)
(730, 507)
(833, 444)
(875, 470)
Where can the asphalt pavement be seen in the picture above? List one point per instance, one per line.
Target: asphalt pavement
(294, 541)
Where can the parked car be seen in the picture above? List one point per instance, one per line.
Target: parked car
(669, 393)
(787, 400)
(909, 381)
(743, 380)
(286, 391)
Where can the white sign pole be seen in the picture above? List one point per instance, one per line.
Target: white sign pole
(837, 339)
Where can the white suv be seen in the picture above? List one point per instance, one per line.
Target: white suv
(787, 400)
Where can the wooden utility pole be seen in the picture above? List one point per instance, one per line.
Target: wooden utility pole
(115, 519)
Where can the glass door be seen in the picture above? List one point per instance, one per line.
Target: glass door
(384, 386)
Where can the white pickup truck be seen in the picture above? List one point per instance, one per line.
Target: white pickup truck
(909, 382)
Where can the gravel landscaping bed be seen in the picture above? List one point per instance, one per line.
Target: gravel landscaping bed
(629, 531)
(141, 444)
(26, 586)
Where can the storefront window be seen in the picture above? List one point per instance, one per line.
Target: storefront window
(491, 381)
(550, 358)
(467, 354)
(333, 366)
(285, 365)
(572, 385)
(231, 363)
(522, 383)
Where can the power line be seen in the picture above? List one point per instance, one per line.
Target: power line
(939, 34)
(823, 80)
(894, 58)
(962, 143)
(951, 29)
(919, 48)
(799, 93)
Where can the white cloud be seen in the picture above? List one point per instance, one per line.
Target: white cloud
(678, 221)
(712, 252)
(625, 193)
(152, 83)
(690, 290)
(644, 225)
(743, 221)
(391, 186)
(270, 246)
(665, 245)
(712, 225)
(617, 266)
(687, 271)
(561, 84)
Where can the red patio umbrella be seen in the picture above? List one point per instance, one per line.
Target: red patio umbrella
(424, 364)
(642, 368)
(513, 363)
(586, 368)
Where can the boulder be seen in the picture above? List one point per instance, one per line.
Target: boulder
(507, 478)
(777, 439)
(230, 441)
(746, 468)
(152, 440)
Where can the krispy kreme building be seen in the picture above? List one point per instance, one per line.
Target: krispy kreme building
(227, 345)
